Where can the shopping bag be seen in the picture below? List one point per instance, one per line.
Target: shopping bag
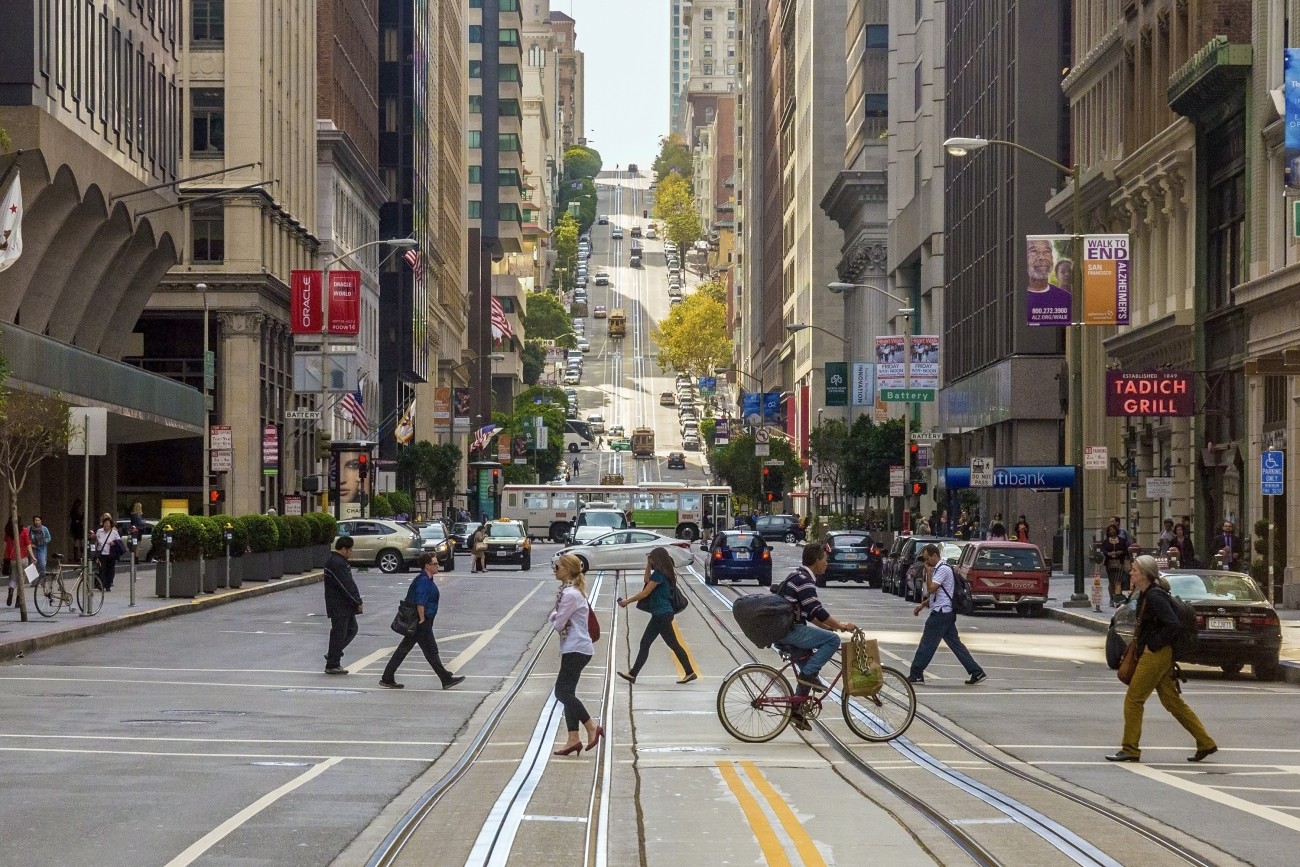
(863, 675)
(33, 574)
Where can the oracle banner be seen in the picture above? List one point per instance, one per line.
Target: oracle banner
(345, 302)
(305, 309)
(1154, 393)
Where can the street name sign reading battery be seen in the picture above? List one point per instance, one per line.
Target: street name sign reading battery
(1272, 469)
(907, 395)
(302, 414)
(774, 463)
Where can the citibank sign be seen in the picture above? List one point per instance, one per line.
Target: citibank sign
(1162, 392)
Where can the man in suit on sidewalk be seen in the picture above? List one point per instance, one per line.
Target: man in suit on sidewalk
(342, 604)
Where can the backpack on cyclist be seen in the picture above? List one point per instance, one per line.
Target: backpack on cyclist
(765, 618)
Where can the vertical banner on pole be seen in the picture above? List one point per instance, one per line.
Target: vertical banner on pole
(1105, 280)
(1291, 140)
(864, 383)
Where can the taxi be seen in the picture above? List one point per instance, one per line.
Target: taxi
(508, 543)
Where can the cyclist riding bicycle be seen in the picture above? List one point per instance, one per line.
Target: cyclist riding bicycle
(812, 623)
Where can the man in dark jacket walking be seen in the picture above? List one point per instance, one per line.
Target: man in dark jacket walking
(342, 604)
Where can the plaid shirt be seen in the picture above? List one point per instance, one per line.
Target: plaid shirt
(800, 587)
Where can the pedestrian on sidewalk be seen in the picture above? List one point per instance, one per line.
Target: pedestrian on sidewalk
(1186, 550)
(40, 535)
(1157, 628)
(478, 549)
(108, 547)
(140, 527)
(1022, 530)
(1114, 553)
(569, 618)
(17, 548)
(342, 604)
(424, 593)
(941, 625)
(660, 582)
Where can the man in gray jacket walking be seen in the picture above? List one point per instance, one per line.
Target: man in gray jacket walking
(342, 604)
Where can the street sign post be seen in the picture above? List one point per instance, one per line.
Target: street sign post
(1096, 457)
(907, 395)
(1272, 467)
(302, 414)
(895, 481)
(981, 472)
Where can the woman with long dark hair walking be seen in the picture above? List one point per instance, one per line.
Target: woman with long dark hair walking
(569, 618)
(660, 582)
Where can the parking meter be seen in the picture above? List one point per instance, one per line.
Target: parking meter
(228, 534)
(167, 553)
(132, 543)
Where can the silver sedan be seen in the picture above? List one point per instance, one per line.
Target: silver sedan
(626, 549)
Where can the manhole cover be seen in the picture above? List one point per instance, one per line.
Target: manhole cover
(165, 722)
(322, 691)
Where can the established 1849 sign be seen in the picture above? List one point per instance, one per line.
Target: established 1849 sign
(1167, 393)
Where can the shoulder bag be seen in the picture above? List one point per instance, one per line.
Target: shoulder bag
(1128, 663)
(593, 625)
(407, 618)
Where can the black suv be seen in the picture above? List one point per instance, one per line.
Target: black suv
(907, 556)
(851, 555)
(781, 528)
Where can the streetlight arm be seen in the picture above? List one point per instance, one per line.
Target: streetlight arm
(802, 326)
(392, 242)
(1033, 153)
(840, 287)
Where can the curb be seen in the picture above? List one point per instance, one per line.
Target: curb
(22, 647)
(1290, 669)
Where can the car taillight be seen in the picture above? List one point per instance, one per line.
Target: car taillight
(717, 555)
(1200, 621)
(767, 555)
(1264, 619)
(686, 545)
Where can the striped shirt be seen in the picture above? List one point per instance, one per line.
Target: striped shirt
(800, 587)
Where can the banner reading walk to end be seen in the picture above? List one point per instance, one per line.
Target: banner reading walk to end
(1291, 139)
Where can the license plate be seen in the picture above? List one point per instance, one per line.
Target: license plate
(501, 553)
(852, 557)
(740, 555)
(1221, 623)
(1006, 597)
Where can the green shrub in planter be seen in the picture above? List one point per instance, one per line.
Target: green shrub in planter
(330, 528)
(401, 504)
(213, 543)
(187, 537)
(284, 532)
(313, 521)
(238, 535)
(380, 507)
(300, 531)
(261, 531)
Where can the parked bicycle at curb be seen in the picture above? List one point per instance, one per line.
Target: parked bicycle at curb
(50, 593)
(756, 702)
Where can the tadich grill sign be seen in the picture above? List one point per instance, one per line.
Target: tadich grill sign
(1167, 393)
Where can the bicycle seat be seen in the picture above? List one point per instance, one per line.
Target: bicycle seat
(792, 653)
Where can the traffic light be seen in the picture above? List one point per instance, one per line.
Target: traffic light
(323, 441)
(496, 481)
(771, 497)
(216, 496)
(919, 488)
(645, 214)
(363, 465)
(916, 453)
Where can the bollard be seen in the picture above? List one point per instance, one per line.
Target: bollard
(91, 564)
(167, 543)
(229, 536)
(134, 543)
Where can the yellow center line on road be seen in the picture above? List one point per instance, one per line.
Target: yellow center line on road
(773, 851)
(793, 828)
(695, 666)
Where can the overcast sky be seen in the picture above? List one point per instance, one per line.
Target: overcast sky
(625, 43)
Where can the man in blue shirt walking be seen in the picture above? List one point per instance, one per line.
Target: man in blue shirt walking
(425, 594)
(941, 625)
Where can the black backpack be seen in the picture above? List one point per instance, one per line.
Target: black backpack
(1188, 634)
(962, 601)
(765, 618)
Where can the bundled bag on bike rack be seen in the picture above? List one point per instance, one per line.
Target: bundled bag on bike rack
(863, 675)
(765, 618)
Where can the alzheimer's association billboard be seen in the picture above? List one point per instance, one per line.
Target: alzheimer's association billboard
(1163, 392)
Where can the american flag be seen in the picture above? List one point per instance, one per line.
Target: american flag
(482, 436)
(353, 407)
(500, 325)
(413, 259)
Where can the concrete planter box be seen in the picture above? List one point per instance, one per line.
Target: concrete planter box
(319, 554)
(275, 565)
(213, 576)
(185, 583)
(295, 560)
(216, 577)
(256, 567)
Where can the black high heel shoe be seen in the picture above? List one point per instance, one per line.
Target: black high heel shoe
(568, 751)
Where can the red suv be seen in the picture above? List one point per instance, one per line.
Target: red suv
(1006, 575)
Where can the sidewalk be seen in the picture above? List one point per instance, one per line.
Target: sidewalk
(18, 639)
(1062, 588)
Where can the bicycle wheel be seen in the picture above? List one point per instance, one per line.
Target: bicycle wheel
(885, 715)
(48, 594)
(95, 601)
(754, 703)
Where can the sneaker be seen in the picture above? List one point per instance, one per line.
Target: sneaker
(391, 684)
(813, 682)
(334, 669)
(453, 680)
(977, 677)
(915, 678)
(798, 721)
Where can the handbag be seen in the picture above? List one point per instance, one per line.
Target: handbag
(1128, 663)
(480, 547)
(593, 625)
(863, 673)
(407, 618)
(680, 602)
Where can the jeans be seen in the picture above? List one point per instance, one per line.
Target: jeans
(566, 688)
(423, 636)
(1153, 674)
(342, 631)
(660, 624)
(822, 642)
(942, 626)
(40, 553)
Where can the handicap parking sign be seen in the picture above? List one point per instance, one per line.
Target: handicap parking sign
(1271, 468)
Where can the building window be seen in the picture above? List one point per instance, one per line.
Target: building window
(475, 104)
(509, 72)
(731, 14)
(208, 18)
(509, 36)
(476, 174)
(708, 14)
(877, 105)
(1275, 389)
(476, 69)
(508, 142)
(708, 33)
(916, 89)
(731, 50)
(1226, 218)
(510, 211)
(475, 210)
(708, 69)
(475, 33)
(208, 121)
(476, 138)
(208, 229)
(877, 36)
(509, 5)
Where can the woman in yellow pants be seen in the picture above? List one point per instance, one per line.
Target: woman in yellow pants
(1157, 627)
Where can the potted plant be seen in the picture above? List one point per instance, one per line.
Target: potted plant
(238, 544)
(212, 552)
(263, 537)
(289, 539)
(185, 551)
(324, 530)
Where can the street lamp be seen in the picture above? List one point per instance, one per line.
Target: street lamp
(796, 327)
(960, 147)
(207, 414)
